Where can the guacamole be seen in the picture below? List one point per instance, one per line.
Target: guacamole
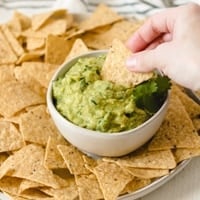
(85, 99)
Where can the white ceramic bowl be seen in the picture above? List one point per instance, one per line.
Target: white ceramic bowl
(95, 142)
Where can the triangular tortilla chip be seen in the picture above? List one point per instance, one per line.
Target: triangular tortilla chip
(114, 68)
(7, 55)
(27, 163)
(73, 159)
(15, 97)
(16, 46)
(112, 179)
(84, 183)
(57, 49)
(177, 130)
(36, 126)
(53, 159)
(10, 138)
(78, 48)
(39, 19)
(192, 108)
(146, 159)
(102, 16)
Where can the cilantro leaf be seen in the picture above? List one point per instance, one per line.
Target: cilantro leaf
(151, 94)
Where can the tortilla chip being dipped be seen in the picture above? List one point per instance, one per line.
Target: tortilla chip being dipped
(114, 68)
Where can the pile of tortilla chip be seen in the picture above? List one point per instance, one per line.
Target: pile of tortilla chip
(36, 162)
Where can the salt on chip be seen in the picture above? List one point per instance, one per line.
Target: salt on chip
(114, 68)
(78, 48)
(73, 159)
(40, 19)
(15, 97)
(7, 55)
(103, 15)
(177, 130)
(112, 179)
(88, 187)
(10, 138)
(57, 49)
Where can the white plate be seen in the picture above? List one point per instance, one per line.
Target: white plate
(149, 188)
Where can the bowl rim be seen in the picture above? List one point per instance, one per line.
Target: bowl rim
(50, 105)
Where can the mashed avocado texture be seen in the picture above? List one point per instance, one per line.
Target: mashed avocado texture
(85, 99)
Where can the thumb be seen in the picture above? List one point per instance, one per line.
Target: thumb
(147, 60)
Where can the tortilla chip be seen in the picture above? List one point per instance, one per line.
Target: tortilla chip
(112, 179)
(7, 56)
(40, 19)
(22, 74)
(44, 71)
(27, 184)
(27, 163)
(57, 49)
(36, 126)
(16, 96)
(16, 46)
(53, 159)
(102, 16)
(184, 154)
(6, 73)
(10, 185)
(66, 193)
(177, 130)
(3, 157)
(136, 184)
(147, 173)
(15, 26)
(77, 49)
(73, 159)
(10, 138)
(146, 159)
(192, 108)
(114, 68)
(25, 21)
(88, 187)
(34, 43)
(121, 30)
(196, 123)
(30, 56)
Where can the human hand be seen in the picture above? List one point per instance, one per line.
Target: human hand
(170, 42)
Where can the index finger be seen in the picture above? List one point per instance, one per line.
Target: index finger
(153, 28)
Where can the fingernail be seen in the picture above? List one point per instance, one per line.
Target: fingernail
(131, 63)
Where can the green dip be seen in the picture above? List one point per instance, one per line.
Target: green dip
(87, 101)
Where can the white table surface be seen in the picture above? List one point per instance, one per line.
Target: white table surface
(184, 186)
